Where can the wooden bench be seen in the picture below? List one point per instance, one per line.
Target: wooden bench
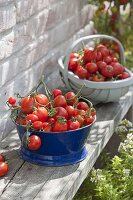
(27, 181)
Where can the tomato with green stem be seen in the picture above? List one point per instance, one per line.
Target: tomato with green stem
(108, 71)
(89, 119)
(73, 124)
(60, 112)
(42, 114)
(98, 77)
(60, 125)
(71, 98)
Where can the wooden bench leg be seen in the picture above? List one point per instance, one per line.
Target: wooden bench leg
(129, 115)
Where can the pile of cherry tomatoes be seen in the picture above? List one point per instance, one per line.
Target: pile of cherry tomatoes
(97, 64)
(3, 166)
(54, 113)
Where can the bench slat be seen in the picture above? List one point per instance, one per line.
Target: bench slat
(27, 181)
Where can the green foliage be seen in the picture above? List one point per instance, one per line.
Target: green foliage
(114, 182)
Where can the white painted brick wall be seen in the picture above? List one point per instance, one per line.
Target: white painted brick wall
(7, 16)
(33, 35)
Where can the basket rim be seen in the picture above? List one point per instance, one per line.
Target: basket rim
(96, 85)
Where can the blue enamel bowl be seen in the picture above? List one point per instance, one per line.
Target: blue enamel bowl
(57, 149)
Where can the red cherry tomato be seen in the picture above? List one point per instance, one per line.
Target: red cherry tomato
(89, 120)
(107, 59)
(98, 56)
(34, 142)
(80, 119)
(60, 125)
(91, 67)
(101, 65)
(60, 101)
(60, 111)
(89, 55)
(2, 158)
(74, 55)
(12, 100)
(80, 112)
(56, 92)
(108, 71)
(47, 127)
(70, 110)
(25, 122)
(82, 106)
(73, 64)
(118, 68)
(124, 75)
(51, 120)
(37, 125)
(104, 51)
(100, 46)
(42, 114)
(70, 98)
(3, 168)
(114, 59)
(42, 99)
(32, 118)
(73, 124)
(81, 72)
(98, 78)
(27, 105)
(93, 111)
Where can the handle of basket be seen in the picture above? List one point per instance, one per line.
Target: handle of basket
(90, 37)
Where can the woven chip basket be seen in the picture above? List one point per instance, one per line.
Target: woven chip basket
(97, 92)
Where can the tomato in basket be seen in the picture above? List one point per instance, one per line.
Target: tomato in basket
(97, 64)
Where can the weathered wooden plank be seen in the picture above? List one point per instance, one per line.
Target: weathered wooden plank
(28, 181)
(9, 148)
